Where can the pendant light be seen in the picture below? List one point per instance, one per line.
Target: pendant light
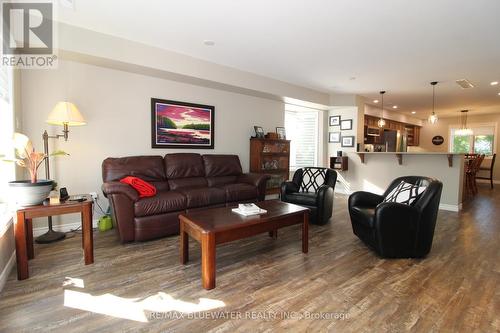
(433, 118)
(464, 130)
(381, 121)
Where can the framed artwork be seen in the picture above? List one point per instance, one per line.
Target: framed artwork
(181, 125)
(334, 137)
(334, 120)
(281, 133)
(347, 141)
(259, 131)
(346, 124)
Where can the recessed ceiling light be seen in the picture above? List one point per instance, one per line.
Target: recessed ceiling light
(209, 42)
(394, 106)
(413, 112)
(375, 101)
(494, 83)
(498, 94)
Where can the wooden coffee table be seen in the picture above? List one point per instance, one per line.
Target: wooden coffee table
(214, 226)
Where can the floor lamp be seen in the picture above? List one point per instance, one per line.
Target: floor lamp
(65, 114)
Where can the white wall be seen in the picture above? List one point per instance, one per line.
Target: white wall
(116, 105)
(344, 113)
(392, 115)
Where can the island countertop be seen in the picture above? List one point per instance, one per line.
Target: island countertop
(374, 171)
(399, 155)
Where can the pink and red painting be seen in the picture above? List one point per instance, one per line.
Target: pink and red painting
(181, 125)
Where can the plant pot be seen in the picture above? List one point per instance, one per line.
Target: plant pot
(26, 193)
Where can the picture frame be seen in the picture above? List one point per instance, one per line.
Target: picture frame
(259, 131)
(334, 120)
(346, 124)
(183, 125)
(347, 141)
(334, 137)
(281, 133)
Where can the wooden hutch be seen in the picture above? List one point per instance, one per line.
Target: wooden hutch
(272, 157)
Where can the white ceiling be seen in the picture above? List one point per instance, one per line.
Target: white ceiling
(394, 45)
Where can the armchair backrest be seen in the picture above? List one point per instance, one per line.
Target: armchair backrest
(427, 204)
(309, 179)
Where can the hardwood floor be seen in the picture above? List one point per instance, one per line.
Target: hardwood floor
(142, 287)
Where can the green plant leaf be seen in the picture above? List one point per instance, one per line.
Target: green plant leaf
(59, 153)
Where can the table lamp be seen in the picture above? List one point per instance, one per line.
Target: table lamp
(65, 114)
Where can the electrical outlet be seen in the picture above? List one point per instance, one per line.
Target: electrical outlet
(94, 195)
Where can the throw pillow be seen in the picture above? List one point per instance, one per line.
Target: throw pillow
(405, 193)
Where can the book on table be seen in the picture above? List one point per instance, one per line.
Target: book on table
(249, 209)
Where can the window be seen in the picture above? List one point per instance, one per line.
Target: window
(482, 141)
(302, 129)
(7, 170)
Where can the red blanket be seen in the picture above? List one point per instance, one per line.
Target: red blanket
(144, 188)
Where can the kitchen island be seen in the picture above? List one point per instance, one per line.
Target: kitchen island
(373, 172)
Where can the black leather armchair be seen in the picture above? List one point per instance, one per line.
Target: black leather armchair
(397, 230)
(312, 188)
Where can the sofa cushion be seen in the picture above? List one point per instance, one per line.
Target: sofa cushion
(240, 192)
(148, 168)
(183, 165)
(222, 165)
(204, 196)
(302, 198)
(364, 215)
(162, 202)
(195, 182)
(223, 180)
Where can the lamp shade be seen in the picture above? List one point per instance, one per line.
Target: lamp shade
(65, 113)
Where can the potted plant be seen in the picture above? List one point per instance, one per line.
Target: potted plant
(34, 191)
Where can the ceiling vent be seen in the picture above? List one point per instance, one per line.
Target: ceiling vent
(464, 84)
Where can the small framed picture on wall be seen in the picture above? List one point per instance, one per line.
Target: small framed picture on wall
(334, 120)
(334, 137)
(347, 141)
(346, 124)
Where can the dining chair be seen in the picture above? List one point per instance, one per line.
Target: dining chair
(471, 172)
(488, 168)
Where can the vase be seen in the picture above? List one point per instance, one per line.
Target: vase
(26, 193)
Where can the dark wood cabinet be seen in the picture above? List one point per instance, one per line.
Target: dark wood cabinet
(272, 157)
(372, 137)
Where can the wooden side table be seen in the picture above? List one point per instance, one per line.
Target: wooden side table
(24, 230)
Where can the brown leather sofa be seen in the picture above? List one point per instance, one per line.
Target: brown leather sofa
(184, 182)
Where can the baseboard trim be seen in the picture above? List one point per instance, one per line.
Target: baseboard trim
(451, 208)
(62, 227)
(6, 270)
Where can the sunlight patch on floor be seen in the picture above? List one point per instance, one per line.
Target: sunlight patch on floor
(134, 308)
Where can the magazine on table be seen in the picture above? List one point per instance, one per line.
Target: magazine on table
(249, 209)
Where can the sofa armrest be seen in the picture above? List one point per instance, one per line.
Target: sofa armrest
(396, 227)
(287, 187)
(324, 202)
(120, 188)
(256, 179)
(364, 199)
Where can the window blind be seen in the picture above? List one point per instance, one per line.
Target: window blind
(302, 129)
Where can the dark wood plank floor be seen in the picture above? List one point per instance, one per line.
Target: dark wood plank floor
(142, 287)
